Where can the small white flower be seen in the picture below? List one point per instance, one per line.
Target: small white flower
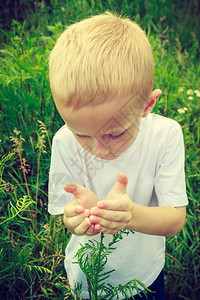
(198, 94)
(190, 98)
(197, 91)
(180, 89)
(190, 92)
(181, 110)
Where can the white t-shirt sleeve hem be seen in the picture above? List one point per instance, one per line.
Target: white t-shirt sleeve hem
(55, 210)
(170, 178)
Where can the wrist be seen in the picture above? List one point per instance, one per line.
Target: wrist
(130, 224)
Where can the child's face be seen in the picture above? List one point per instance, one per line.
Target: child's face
(105, 130)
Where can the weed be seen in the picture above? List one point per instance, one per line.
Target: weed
(92, 258)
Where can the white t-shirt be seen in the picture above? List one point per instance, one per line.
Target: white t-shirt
(154, 164)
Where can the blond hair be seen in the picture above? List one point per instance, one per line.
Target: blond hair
(101, 58)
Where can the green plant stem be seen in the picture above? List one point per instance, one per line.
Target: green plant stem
(24, 173)
(37, 180)
(98, 267)
(47, 134)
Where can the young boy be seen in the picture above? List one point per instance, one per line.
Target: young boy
(101, 77)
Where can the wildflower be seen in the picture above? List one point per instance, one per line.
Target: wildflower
(180, 89)
(16, 38)
(17, 141)
(190, 92)
(182, 110)
(17, 132)
(25, 166)
(41, 143)
(163, 19)
(190, 98)
(162, 37)
(197, 92)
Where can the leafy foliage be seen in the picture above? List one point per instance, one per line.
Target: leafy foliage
(92, 258)
(28, 258)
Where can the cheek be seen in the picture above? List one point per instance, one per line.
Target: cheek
(120, 145)
(127, 141)
(85, 143)
(133, 132)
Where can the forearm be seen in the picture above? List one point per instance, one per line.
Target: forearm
(165, 221)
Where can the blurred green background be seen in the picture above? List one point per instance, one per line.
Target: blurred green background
(31, 242)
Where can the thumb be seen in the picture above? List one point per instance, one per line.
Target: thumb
(74, 189)
(82, 195)
(119, 187)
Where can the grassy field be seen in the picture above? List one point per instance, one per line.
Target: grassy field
(33, 242)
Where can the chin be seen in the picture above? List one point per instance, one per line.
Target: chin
(108, 157)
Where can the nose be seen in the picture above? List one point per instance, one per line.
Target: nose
(99, 148)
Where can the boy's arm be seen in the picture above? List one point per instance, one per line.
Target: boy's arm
(166, 220)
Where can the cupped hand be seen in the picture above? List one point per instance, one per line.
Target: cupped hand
(77, 211)
(114, 213)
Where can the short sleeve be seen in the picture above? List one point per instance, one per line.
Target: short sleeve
(170, 175)
(61, 171)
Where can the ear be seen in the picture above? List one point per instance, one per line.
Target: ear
(152, 101)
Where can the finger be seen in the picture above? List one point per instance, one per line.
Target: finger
(109, 218)
(73, 222)
(122, 203)
(119, 187)
(74, 189)
(82, 227)
(83, 196)
(103, 223)
(74, 215)
(92, 230)
(122, 181)
(72, 209)
(99, 228)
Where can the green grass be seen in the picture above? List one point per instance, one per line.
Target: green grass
(33, 242)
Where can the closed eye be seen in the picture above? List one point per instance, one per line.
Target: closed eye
(105, 137)
(82, 136)
(117, 136)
